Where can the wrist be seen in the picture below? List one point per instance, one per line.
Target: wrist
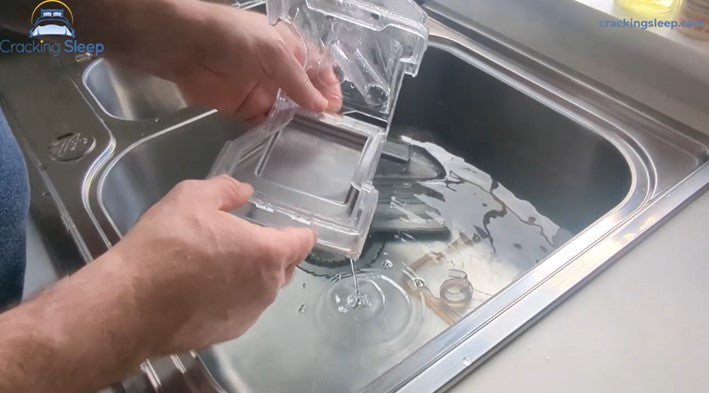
(79, 335)
(129, 332)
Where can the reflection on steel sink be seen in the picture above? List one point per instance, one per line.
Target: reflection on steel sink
(599, 169)
(129, 95)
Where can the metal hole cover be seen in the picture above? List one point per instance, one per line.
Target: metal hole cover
(71, 146)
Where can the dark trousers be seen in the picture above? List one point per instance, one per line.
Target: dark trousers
(14, 204)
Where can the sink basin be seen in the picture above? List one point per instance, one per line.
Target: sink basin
(508, 183)
(563, 172)
(567, 171)
(130, 95)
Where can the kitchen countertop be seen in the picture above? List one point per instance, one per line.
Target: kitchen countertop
(640, 326)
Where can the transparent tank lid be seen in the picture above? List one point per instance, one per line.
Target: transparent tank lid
(316, 170)
(370, 43)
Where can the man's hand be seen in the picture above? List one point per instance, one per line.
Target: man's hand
(205, 274)
(188, 274)
(221, 57)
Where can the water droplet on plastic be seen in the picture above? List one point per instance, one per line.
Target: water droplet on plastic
(420, 283)
(387, 264)
(302, 308)
(467, 362)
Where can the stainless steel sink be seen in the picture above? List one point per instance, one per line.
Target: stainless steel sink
(129, 95)
(569, 172)
(603, 168)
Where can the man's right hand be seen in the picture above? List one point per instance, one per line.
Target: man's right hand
(189, 274)
(200, 274)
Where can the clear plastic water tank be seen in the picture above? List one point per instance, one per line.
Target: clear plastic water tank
(316, 170)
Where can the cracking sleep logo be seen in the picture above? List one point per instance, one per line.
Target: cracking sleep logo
(49, 22)
(49, 18)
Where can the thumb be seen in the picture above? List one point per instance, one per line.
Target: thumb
(301, 242)
(226, 193)
(291, 245)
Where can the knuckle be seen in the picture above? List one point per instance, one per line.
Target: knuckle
(280, 55)
(280, 48)
(185, 187)
(270, 56)
(271, 283)
(274, 259)
(269, 250)
(271, 295)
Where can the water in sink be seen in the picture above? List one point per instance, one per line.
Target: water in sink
(332, 332)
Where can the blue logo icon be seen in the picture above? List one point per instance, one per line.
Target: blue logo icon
(52, 21)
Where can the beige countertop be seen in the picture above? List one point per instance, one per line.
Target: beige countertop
(640, 326)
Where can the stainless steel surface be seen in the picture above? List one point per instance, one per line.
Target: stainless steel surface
(666, 75)
(574, 180)
(129, 95)
(603, 166)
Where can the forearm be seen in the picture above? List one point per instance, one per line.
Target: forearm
(77, 336)
(152, 35)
